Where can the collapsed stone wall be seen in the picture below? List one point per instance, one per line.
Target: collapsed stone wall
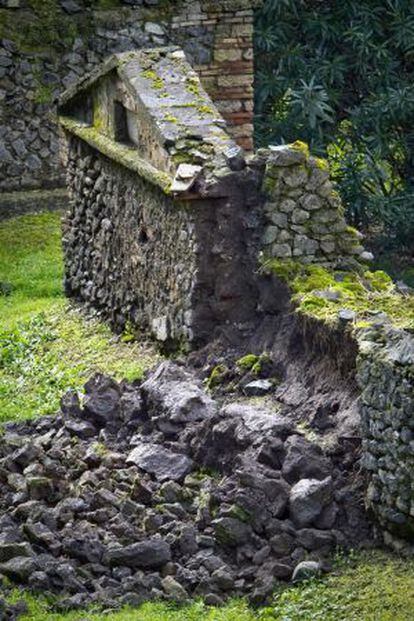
(303, 214)
(184, 269)
(66, 39)
(170, 268)
(386, 379)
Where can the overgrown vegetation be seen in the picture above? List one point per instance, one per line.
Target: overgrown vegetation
(340, 75)
(46, 346)
(321, 292)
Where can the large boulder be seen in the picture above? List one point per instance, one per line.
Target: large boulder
(152, 553)
(102, 399)
(307, 500)
(231, 531)
(255, 421)
(173, 392)
(161, 462)
(304, 460)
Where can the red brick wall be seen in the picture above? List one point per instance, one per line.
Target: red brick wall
(229, 76)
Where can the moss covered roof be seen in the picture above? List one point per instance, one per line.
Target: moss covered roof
(171, 101)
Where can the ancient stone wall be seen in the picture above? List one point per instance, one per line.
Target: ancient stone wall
(386, 380)
(171, 268)
(48, 45)
(303, 214)
(129, 251)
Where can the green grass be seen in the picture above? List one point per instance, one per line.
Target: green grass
(31, 261)
(370, 586)
(46, 345)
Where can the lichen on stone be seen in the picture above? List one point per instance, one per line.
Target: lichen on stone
(156, 81)
(301, 146)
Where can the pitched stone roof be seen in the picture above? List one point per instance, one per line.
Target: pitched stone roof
(166, 94)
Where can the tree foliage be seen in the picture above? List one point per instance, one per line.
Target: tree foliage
(340, 76)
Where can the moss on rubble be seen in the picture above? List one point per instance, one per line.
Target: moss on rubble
(217, 376)
(247, 362)
(321, 292)
(322, 164)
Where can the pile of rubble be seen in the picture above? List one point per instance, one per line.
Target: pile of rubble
(156, 490)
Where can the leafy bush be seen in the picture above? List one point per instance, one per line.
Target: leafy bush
(340, 76)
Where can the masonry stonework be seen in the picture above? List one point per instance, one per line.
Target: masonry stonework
(303, 214)
(66, 39)
(386, 379)
(156, 235)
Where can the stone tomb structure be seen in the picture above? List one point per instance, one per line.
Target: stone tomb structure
(169, 222)
(152, 236)
(167, 217)
(36, 66)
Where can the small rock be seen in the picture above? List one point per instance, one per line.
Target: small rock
(5, 288)
(102, 399)
(81, 428)
(174, 588)
(11, 550)
(306, 570)
(231, 532)
(257, 388)
(211, 599)
(366, 256)
(346, 315)
(18, 568)
(70, 6)
(40, 488)
(160, 462)
(223, 579)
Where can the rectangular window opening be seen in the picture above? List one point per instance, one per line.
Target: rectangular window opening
(121, 123)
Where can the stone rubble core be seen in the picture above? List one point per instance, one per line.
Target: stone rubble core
(216, 36)
(157, 490)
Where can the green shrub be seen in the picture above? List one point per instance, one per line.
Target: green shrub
(339, 76)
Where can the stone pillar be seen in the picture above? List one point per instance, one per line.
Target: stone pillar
(303, 216)
(226, 68)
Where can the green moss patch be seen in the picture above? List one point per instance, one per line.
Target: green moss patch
(321, 292)
(217, 376)
(253, 363)
(43, 26)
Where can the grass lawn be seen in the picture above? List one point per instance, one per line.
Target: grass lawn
(368, 587)
(46, 346)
